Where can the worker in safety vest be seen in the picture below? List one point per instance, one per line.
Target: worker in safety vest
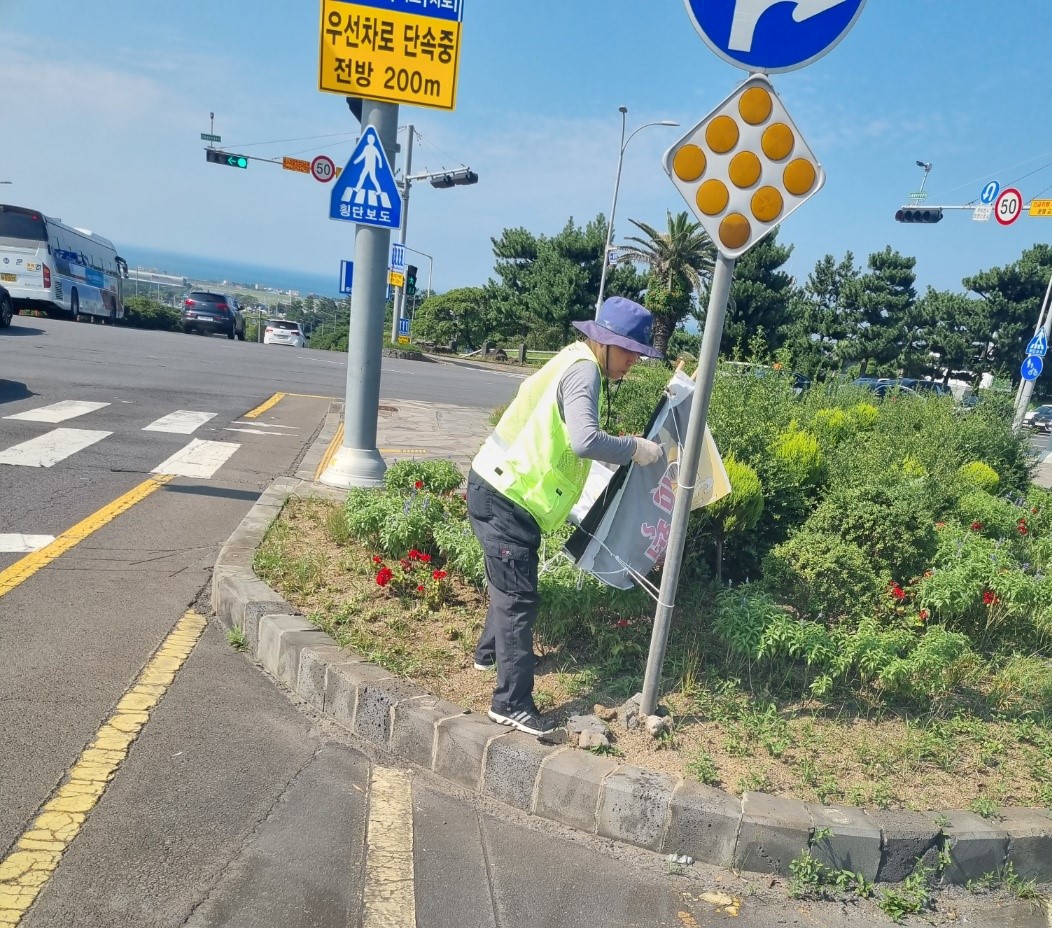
(527, 477)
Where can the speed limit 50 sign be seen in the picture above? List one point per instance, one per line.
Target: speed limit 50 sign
(1008, 206)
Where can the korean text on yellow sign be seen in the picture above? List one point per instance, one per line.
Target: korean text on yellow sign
(1041, 207)
(396, 51)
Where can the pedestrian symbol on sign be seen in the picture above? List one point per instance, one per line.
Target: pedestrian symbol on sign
(366, 192)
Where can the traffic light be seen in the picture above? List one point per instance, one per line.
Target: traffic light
(410, 280)
(455, 178)
(215, 156)
(918, 214)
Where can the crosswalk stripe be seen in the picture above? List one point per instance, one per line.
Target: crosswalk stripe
(180, 422)
(58, 412)
(50, 448)
(198, 459)
(17, 543)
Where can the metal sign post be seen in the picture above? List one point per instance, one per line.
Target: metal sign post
(688, 471)
(358, 462)
(1041, 333)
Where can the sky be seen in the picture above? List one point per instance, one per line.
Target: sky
(103, 105)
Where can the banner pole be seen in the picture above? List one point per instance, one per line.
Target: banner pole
(687, 477)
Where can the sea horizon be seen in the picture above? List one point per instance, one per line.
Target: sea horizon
(197, 267)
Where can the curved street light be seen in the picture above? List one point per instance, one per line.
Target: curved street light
(623, 110)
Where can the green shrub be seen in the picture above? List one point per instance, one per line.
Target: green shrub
(822, 576)
(141, 312)
(890, 524)
(438, 476)
(993, 517)
(801, 454)
(979, 475)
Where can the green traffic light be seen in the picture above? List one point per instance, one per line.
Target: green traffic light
(237, 161)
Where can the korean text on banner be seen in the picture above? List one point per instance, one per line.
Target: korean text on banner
(624, 516)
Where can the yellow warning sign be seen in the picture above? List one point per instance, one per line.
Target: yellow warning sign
(296, 164)
(398, 51)
(396, 278)
(1041, 207)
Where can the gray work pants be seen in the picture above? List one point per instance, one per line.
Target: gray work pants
(511, 540)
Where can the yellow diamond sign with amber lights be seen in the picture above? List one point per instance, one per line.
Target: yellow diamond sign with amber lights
(744, 167)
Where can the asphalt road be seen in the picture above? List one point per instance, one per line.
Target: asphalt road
(150, 775)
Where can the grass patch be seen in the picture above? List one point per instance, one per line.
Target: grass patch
(737, 725)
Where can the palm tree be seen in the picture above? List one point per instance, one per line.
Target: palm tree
(681, 261)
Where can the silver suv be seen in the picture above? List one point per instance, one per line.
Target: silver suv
(284, 332)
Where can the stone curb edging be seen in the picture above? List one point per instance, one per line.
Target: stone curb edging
(594, 794)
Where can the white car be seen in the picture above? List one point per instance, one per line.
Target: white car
(284, 332)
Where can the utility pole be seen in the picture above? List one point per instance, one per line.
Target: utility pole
(1026, 387)
(407, 169)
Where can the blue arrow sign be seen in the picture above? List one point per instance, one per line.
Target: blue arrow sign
(989, 192)
(772, 35)
(366, 192)
(1031, 368)
(1038, 345)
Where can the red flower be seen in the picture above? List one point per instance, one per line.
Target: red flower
(897, 591)
(413, 554)
(439, 574)
(405, 563)
(377, 559)
(426, 558)
(420, 589)
(621, 623)
(924, 615)
(1023, 530)
(977, 526)
(419, 484)
(384, 575)
(989, 598)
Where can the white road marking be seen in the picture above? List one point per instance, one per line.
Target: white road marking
(22, 544)
(292, 428)
(50, 448)
(198, 459)
(58, 412)
(252, 431)
(180, 422)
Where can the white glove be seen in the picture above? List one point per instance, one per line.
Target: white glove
(647, 452)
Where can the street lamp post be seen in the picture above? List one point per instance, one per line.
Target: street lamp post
(623, 110)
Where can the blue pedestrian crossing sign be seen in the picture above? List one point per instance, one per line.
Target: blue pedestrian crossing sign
(366, 191)
(1038, 345)
(1031, 368)
(772, 35)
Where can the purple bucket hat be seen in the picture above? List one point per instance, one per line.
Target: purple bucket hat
(623, 323)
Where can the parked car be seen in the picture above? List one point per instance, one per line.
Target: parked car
(284, 332)
(7, 309)
(207, 312)
(935, 387)
(1040, 419)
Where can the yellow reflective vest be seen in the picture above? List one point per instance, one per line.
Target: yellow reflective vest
(528, 457)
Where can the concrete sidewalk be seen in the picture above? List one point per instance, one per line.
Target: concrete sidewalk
(598, 795)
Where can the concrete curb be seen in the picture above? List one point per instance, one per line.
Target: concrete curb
(595, 794)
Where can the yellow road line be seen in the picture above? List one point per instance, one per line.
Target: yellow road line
(326, 458)
(277, 398)
(36, 855)
(264, 406)
(25, 567)
(389, 894)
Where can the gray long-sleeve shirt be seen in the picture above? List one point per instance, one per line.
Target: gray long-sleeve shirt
(578, 398)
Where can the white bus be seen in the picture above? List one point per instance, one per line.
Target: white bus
(47, 265)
